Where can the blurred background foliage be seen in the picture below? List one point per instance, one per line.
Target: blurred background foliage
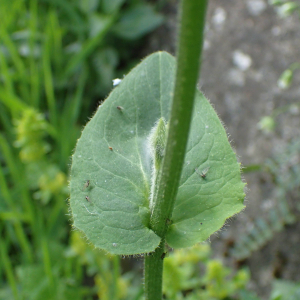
(267, 124)
(283, 167)
(57, 62)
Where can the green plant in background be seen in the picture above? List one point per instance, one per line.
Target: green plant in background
(185, 278)
(285, 171)
(286, 7)
(282, 167)
(285, 80)
(267, 124)
(285, 290)
(141, 175)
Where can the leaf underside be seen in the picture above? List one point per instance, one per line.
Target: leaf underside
(112, 167)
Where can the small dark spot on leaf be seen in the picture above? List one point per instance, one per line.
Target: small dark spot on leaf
(168, 221)
(203, 173)
(110, 148)
(86, 185)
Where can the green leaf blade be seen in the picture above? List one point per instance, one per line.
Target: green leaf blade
(113, 154)
(137, 22)
(203, 204)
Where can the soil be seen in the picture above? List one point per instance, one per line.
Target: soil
(247, 47)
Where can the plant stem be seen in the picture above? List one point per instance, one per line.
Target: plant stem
(8, 269)
(188, 64)
(153, 273)
(116, 274)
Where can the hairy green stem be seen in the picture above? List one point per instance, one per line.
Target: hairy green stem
(192, 22)
(153, 273)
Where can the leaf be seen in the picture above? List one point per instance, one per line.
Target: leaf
(137, 22)
(34, 285)
(88, 6)
(98, 24)
(105, 62)
(114, 155)
(203, 203)
(111, 6)
(102, 25)
(285, 290)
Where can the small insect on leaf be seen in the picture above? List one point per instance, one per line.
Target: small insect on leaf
(86, 185)
(87, 198)
(203, 172)
(120, 108)
(110, 148)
